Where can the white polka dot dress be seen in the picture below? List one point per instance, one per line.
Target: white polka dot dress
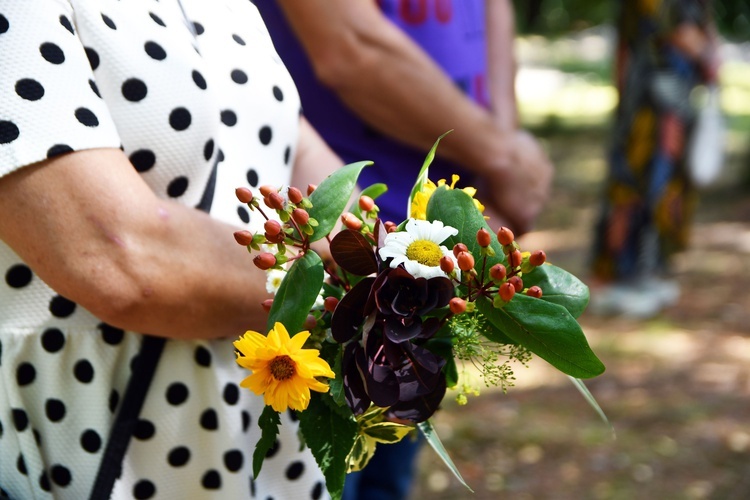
(195, 95)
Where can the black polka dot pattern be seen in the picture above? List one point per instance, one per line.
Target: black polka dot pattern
(109, 22)
(231, 394)
(55, 410)
(93, 57)
(211, 480)
(199, 80)
(111, 335)
(21, 465)
(91, 441)
(29, 89)
(177, 187)
(8, 132)
(228, 118)
(83, 371)
(295, 470)
(155, 51)
(52, 340)
(25, 374)
(58, 149)
(202, 356)
(61, 307)
(179, 456)
(18, 276)
(86, 117)
(134, 90)
(52, 53)
(60, 475)
(233, 460)
(198, 106)
(243, 214)
(180, 119)
(177, 393)
(144, 489)
(265, 135)
(65, 22)
(144, 429)
(20, 419)
(239, 76)
(143, 160)
(209, 421)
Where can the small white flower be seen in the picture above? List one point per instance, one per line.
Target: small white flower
(274, 277)
(419, 249)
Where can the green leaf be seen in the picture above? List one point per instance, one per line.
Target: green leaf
(362, 451)
(455, 208)
(373, 192)
(578, 383)
(297, 293)
(336, 384)
(422, 176)
(388, 432)
(331, 196)
(559, 287)
(428, 431)
(548, 330)
(269, 423)
(330, 438)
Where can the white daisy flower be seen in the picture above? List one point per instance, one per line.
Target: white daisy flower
(419, 249)
(274, 277)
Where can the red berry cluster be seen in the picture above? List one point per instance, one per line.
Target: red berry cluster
(291, 227)
(500, 282)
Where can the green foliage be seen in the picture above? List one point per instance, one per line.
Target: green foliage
(560, 287)
(422, 176)
(297, 293)
(330, 437)
(558, 17)
(548, 330)
(545, 327)
(330, 198)
(269, 423)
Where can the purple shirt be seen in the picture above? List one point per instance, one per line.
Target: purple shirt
(452, 32)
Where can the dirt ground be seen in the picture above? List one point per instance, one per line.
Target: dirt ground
(676, 389)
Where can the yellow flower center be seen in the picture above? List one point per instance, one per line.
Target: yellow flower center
(425, 252)
(282, 367)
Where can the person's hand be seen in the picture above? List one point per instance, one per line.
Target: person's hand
(517, 192)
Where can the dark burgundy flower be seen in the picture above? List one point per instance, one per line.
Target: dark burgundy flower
(403, 300)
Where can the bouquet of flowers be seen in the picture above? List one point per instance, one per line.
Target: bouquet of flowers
(383, 320)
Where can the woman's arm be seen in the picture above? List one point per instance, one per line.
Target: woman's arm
(391, 83)
(101, 238)
(377, 71)
(501, 62)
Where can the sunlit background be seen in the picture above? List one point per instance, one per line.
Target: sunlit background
(677, 388)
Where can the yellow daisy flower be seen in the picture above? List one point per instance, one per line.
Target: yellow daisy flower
(283, 372)
(419, 203)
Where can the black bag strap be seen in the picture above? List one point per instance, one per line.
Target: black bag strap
(110, 467)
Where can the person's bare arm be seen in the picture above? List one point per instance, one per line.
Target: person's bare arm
(501, 62)
(391, 83)
(89, 226)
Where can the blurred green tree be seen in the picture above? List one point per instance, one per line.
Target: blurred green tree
(558, 17)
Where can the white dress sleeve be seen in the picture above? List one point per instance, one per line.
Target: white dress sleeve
(49, 101)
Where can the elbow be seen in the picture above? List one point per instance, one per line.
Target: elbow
(120, 302)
